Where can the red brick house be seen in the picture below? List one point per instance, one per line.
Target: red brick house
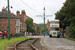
(23, 17)
(48, 25)
(14, 22)
(35, 27)
(23, 26)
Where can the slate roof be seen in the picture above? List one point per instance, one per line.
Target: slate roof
(5, 15)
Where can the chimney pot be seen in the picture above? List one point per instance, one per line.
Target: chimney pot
(18, 13)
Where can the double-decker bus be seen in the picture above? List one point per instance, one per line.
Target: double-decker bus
(54, 28)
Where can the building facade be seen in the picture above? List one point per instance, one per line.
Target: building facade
(14, 25)
(48, 26)
(16, 22)
(35, 27)
(23, 17)
(23, 26)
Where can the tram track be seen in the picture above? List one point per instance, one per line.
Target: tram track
(26, 45)
(29, 44)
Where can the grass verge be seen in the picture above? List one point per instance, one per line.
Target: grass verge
(70, 38)
(5, 42)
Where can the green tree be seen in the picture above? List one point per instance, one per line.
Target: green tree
(66, 15)
(29, 23)
(40, 28)
(32, 30)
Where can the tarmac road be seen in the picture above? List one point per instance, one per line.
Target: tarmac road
(58, 43)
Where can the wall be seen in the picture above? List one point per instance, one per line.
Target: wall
(23, 26)
(4, 24)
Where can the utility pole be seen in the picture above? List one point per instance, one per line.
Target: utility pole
(8, 22)
(44, 18)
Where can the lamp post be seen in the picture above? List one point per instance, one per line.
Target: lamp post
(8, 22)
(44, 21)
(44, 18)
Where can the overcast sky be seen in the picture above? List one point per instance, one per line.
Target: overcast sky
(51, 6)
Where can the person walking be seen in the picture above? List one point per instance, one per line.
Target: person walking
(60, 32)
(5, 33)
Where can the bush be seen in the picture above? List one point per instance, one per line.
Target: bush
(16, 35)
(71, 31)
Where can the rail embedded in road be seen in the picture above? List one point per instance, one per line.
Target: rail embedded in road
(29, 44)
(26, 45)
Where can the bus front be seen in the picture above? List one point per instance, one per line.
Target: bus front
(54, 28)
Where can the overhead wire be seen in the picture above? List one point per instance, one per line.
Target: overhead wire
(33, 3)
(30, 7)
(38, 4)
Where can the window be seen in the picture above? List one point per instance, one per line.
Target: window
(54, 22)
(52, 28)
(17, 30)
(17, 22)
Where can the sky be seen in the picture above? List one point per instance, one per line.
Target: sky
(33, 8)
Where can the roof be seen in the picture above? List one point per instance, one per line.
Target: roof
(22, 21)
(28, 16)
(5, 15)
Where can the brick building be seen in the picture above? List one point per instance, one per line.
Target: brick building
(23, 18)
(22, 15)
(14, 24)
(35, 27)
(48, 25)
(23, 26)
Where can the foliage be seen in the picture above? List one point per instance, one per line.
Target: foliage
(40, 28)
(70, 38)
(66, 15)
(29, 23)
(5, 42)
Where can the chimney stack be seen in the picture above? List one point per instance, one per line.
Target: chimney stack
(23, 12)
(48, 20)
(18, 13)
(4, 9)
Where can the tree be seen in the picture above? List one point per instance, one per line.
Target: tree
(32, 30)
(66, 15)
(40, 28)
(29, 23)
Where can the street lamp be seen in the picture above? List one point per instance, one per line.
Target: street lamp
(44, 18)
(44, 21)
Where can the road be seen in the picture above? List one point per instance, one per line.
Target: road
(56, 43)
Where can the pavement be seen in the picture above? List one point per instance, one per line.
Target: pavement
(56, 43)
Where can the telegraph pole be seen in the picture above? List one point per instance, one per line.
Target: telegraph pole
(8, 22)
(44, 18)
